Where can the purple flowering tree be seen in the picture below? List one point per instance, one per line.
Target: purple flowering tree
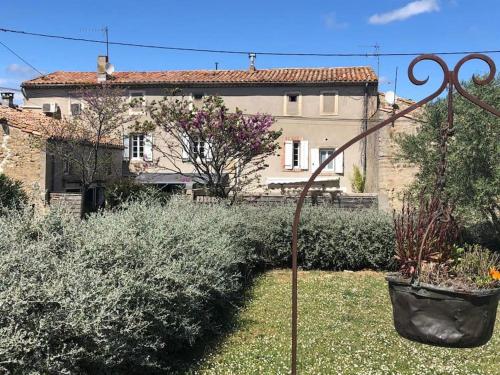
(225, 149)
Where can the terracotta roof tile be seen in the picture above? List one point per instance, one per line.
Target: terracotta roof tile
(214, 77)
(39, 124)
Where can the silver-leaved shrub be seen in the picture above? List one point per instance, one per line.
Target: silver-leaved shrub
(129, 291)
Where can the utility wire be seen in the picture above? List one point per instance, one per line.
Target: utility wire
(20, 58)
(9, 88)
(241, 52)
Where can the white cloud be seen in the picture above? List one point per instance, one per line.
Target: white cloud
(20, 70)
(383, 80)
(330, 21)
(409, 10)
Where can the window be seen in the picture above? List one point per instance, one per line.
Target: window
(319, 156)
(198, 149)
(137, 142)
(197, 97)
(66, 167)
(296, 154)
(76, 109)
(137, 102)
(75, 104)
(329, 102)
(323, 155)
(292, 106)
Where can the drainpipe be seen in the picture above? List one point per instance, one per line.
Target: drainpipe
(364, 128)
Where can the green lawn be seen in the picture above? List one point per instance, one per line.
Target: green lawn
(345, 327)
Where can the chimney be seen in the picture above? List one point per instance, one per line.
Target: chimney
(8, 99)
(101, 68)
(252, 57)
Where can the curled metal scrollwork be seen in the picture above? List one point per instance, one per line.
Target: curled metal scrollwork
(478, 81)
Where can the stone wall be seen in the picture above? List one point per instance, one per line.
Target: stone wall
(21, 161)
(386, 174)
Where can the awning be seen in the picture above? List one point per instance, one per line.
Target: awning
(187, 179)
(279, 182)
(169, 178)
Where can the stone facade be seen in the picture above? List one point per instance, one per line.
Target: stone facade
(20, 161)
(23, 157)
(386, 173)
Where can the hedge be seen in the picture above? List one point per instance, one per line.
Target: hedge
(126, 291)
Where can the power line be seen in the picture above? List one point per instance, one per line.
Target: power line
(20, 58)
(10, 89)
(241, 52)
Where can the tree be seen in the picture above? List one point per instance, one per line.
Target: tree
(472, 180)
(227, 150)
(84, 140)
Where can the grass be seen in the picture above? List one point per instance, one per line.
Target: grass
(345, 327)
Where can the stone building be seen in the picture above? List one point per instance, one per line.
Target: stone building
(318, 109)
(387, 175)
(23, 156)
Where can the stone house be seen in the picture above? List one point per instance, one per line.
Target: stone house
(318, 109)
(388, 176)
(23, 156)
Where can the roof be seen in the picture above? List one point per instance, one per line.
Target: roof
(214, 77)
(25, 120)
(39, 124)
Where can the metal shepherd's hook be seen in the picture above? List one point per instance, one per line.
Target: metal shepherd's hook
(450, 80)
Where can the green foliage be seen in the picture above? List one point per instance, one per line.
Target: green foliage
(473, 171)
(474, 266)
(127, 291)
(357, 180)
(329, 238)
(12, 194)
(128, 190)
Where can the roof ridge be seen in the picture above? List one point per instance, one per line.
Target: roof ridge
(213, 70)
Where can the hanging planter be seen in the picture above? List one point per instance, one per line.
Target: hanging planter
(443, 316)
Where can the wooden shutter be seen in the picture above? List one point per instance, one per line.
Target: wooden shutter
(208, 151)
(126, 147)
(314, 159)
(339, 163)
(288, 155)
(304, 155)
(148, 147)
(185, 147)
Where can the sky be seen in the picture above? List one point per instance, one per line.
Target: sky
(317, 26)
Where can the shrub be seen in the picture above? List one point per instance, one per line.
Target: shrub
(12, 194)
(126, 291)
(329, 238)
(357, 180)
(117, 293)
(128, 190)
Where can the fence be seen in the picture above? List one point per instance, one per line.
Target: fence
(335, 199)
(71, 201)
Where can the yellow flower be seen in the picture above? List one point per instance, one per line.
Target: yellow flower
(494, 273)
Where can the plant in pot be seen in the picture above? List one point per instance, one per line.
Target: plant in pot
(442, 295)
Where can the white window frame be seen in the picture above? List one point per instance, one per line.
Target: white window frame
(299, 103)
(332, 150)
(74, 100)
(191, 105)
(322, 101)
(137, 111)
(132, 138)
